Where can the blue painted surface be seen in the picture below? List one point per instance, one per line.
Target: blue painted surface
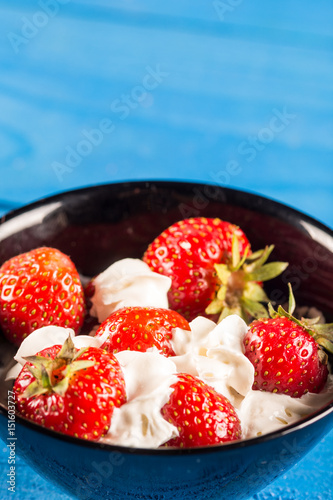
(310, 479)
(238, 93)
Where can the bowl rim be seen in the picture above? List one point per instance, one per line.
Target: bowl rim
(270, 202)
(270, 207)
(231, 446)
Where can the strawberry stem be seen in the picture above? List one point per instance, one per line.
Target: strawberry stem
(240, 290)
(292, 302)
(322, 333)
(64, 365)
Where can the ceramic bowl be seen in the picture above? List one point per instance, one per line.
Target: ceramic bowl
(99, 225)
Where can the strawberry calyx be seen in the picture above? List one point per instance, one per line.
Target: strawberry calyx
(53, 375)
(240, 290)
(322, 333)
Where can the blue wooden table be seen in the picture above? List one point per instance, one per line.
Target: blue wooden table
(234, 92)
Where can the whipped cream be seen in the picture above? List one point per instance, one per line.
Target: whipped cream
(262, 412)
(49, 336)
(214, 353)
(148, 379)
(126, 283)
(139, 422)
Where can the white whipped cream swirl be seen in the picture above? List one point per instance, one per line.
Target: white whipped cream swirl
(126, 283)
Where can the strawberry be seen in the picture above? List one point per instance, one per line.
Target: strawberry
(39, 288)
(71, 391)
(140, 328)
(287, 354)
(89, 290)
(203, 416)
(212, 269)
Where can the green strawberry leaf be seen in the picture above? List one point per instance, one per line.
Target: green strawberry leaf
(272, 312)
(67, 351)
(223, 273)
(34, 389)
(221, 294)
(255, 309)
(311, 321)
(43, 368)
(253, 291)
(325, 343)
(240, 291)
(243, 259)
(215, 306)
(38, 361)
(261, 260)
(326, 330)
(255, 255)
(228, 311)
(267, 272)
(323, 358)
(322, 333)
(292, 302)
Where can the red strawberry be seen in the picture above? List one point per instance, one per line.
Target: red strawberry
(39, 288)
(286, 354)
(89, 290)
(140, 328)
(229, 231)
(211, 267)
(70, 391)
(203, 416)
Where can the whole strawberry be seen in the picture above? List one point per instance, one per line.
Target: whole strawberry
(286, 353)
(203, 416)
(39, 288)
(71, 391)
(140, 328)
(212, 269)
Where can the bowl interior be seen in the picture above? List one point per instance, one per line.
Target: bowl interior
(99, 225)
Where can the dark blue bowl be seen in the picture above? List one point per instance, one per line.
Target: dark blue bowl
(101, 224)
